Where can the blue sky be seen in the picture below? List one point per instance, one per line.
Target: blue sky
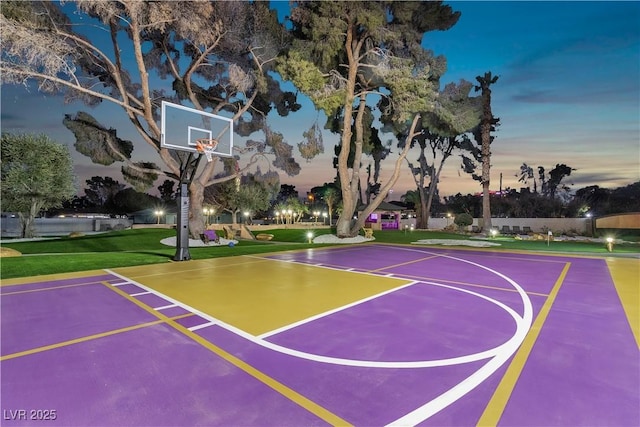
(568, 92)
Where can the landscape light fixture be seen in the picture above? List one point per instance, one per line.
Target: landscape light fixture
(207, 212)
(610, 244)
(158, 215)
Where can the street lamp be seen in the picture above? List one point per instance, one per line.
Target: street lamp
(290, 217)
(316, 214)
(310, 236)
(246, 217)
(324, 218)
(158, 213)
(207, 212)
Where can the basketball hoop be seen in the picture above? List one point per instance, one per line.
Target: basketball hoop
(206, 146)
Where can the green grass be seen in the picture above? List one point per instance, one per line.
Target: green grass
(142, 246)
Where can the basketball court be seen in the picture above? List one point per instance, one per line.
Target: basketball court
(365, 335)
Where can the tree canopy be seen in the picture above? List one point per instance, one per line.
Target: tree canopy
(215, 56)
(37, 174)
(346, 53)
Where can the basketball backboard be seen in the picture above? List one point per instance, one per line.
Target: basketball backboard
(182, 127)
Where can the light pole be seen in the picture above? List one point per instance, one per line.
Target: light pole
(207, 212)
(246, 217)
(316, 214)
(324, 218)
(158, 215)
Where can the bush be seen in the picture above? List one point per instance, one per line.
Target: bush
(463, 220)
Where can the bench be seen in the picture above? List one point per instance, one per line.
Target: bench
(209, 236)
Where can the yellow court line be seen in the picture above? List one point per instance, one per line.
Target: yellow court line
(27, 280)
(403, 263)
(48, 289)
(495, 407)
(287, 392)
(626, 279)
(87, 338)
(202, 264)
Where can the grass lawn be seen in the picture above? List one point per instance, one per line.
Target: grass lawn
(142, 246)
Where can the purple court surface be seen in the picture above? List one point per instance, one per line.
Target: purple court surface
(459, 338)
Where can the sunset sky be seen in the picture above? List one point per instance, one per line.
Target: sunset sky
(568, 92)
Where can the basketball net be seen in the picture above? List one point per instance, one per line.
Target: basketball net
(206, 146)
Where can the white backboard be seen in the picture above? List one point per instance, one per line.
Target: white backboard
(183, 126)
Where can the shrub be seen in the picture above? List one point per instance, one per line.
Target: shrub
(463, 220)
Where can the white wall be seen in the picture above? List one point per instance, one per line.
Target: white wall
(537, 225)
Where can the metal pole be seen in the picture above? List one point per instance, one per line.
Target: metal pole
(182, 228)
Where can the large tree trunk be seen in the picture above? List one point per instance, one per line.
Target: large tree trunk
(423, 221)
(196, 216)
(359, 223)
(486, 176)
(349, 186)
(486, 124)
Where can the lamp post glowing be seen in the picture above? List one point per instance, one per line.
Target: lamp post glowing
(316, 214)
(207, 212)
(310, 236)
(158, 215)
(324, 218)
(494, 232)
(610, 244)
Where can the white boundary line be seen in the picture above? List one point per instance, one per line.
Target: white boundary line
(434, 406)
(498, 355)
(327, 313)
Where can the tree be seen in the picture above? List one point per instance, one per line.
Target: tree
(215, 56)
(130, 200)
(285, 193)
(249, 195)
(556, 175)
(625, 199)
(331, 196)
(483, 138)
(101, 190)
(463, 220)
(37, 174)
(488, 124)
(167, 191)
(526, 174)
(456, 113)
(345, 53)
(549, 185)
